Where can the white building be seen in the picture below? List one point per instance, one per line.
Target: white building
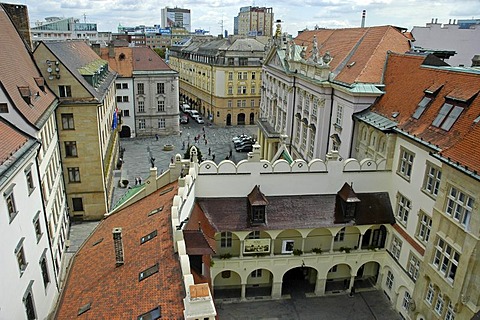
(29, 283)
(254, 21)
(176, 18)
(451, 36)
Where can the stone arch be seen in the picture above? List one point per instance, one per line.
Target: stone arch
(374, 237)
(126, 132)
(252, 118)
(259, 282)
(241, 118)
(338, 278)
(228, 121)
(319, 238)
(283, 241)
(299, 280)
(227, 284)
(366, 275)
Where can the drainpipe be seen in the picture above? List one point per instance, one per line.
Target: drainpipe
(293, 113)
(330, 121)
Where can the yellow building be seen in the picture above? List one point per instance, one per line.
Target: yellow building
(221, 78)
(86, 118)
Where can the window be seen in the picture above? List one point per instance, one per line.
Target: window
(245, 75)
(161, 123)
(20, 254)
(3, 108)
(119, 98)
(459, 206)
(239, 103)
(11, 206)
(71, 149)
(432, 179)
(230, 61)
(124, 85)
(252, 103)
(37, 227)
(253, 75)
(230, 90)
(242, 90)
(396, 247)
(450, 314)
(126, 113)
(446, 259)
(258, 214)
(230, 76)
(226, 239)
(64, 91)
(141, 124)
(421, 107)
(405, 164)
(140, 88)
(244, 103)
(67, 121)
(256, 273)
(338, 120)
(29, 304)
(44, 269)
(229, 103)
(161, 106)
(252, 89)
(403, 208)
(447, 116)
(413, 267)
(254, 235)
(29, 178)
(406, 300)
(148, 272)
(73, 174)
(77, 204)
(439, 304)
(389, 281)
(153, 314)
(226, 274)
(340, 236)
(430, 294)
(304, 136)
(425, 225)
(160, 88)
(141, 106)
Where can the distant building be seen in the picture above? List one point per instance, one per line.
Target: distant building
(176, 18)
(462, 37)
(254, 21)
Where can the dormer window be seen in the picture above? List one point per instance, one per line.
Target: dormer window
(348, 201)
(447, 116)
(256, 207)
(421, 107)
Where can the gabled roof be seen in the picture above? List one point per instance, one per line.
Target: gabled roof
(12, 140)
(408, 81)
(256, 197)
(121, 62)
(18, 70)
(358, 54)
(116, 292)
(77, 55)
(145, 59)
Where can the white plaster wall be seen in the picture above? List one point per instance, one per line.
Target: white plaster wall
(12, 283)
(130, 120)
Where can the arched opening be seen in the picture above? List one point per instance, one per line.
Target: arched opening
(125, 132)
(241, 119)
(338, 278)
(229, 119)
(367, 276)
(374, 238)
(298, 281)
(252, 118)
(259, 283)
(227, 284)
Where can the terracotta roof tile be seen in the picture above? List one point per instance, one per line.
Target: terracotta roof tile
(12, 140)
(366, 47)
(18, 70)
(145, 59)
(121, 61)
(115, 292)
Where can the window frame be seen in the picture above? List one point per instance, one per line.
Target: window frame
(160, 88)
(402, 209)
(65, 91)
(161, 123)
(71, 150)
(444, 259)
(44, 269)
(257, 273)
(10, 202)
(389, 280)
(29, 302)
(432, 180)
(457, 209)
(339, 236)
(37, 226)
(160, 105)
(29, 180)
(413, 267)
(425, 227)
(21, 257)
(405, 163)
(73, 175)
(74, 204)
(430, 294)
(226, 239)
(68, 121)
(141, 124)
(141, 88)
(396, 247)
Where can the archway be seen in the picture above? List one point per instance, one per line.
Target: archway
(298, 281)
(241, 119)
(259, 283)
(125, 132)
(227, 284)
(338, 278)
(252, 118)
(367, 276)
(374, 238)
(229, 119)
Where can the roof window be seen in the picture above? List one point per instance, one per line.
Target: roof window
(151, 315)
(447, 116)
(421, 107)
(154, 211)
(148, 237)
(97, 242)
(148, 272)
(84, 308)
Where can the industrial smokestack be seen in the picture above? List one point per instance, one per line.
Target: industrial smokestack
(118, 245)
(364, 13)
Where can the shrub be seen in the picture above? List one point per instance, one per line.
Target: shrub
(227, 255)
(297, 252)
(317, 250)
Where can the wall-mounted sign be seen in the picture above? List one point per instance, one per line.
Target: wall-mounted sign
(252, 246)
(287, 246)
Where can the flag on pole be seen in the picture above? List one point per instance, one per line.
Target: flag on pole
(115, 118)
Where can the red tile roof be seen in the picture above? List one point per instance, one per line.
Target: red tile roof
(12, 140)
(116, 292)
(405, 235)
(18, 70)
(121, 61)
(406, 81)
(358, 54)
(145, 59)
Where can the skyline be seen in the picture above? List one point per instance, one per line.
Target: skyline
(295, 15)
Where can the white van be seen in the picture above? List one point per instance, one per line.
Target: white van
(185, 108)
(194, 114)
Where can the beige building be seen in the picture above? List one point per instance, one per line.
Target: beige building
(221, 78)
(86, 118)
(254, 21)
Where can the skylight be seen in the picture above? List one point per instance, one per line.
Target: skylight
(147, 273)
(151, 315)
(84, 309)
(148, 237)
(421, 107)
(452, 117)
(447, 116)
(151, 213)
(442, 114)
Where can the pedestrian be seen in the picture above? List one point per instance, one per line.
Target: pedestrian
(203, 130)
(139, 180)
(171, 160)
(230, 154)
(213, 156)
(227, 158)
(204, 136)
(205, 141)
(156, 136)
(136, 180)
(183, 145)
(209, 151)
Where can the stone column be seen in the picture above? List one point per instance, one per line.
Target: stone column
(272, 247)
(303, 244)
(352, 282)
(241, 248)
(331, 244)
(276, 290)
(320, 287)
(360, 242)
(244, 290)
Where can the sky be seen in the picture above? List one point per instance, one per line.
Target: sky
(295, 15)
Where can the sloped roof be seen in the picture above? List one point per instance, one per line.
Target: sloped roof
(75, 55)
(12, 140)
(19, 70)
(406, 81)
(358, 54)
(145, 59)
(121, 62)
(256, 197)
(116, 292)
(467, 151)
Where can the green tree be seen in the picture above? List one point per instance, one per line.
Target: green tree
(160, 52)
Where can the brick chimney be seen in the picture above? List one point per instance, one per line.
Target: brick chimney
(118, 246)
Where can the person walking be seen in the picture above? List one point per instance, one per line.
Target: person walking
(209, 151)
(156, 136)
(213, 156)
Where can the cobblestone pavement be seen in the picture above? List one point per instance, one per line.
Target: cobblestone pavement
(138, 151)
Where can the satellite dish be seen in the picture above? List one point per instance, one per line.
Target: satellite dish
(50, 77)
(49, 69)
(57, 69)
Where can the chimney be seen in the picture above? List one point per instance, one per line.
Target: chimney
(111, 50)
(118, 245)
(449, 21)
(436, 20)
(364, 13)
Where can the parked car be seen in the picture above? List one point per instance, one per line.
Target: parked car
(184, 119)
(185, 108)
(199, 120)
(245, 141)
(194, 114)
(244, 148)
(240, 137)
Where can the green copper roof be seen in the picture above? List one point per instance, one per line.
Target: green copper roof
(92, 67)
(127, 196)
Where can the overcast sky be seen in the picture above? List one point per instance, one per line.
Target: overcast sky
(296, 15)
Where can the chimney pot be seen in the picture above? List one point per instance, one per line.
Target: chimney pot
(118, 246)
